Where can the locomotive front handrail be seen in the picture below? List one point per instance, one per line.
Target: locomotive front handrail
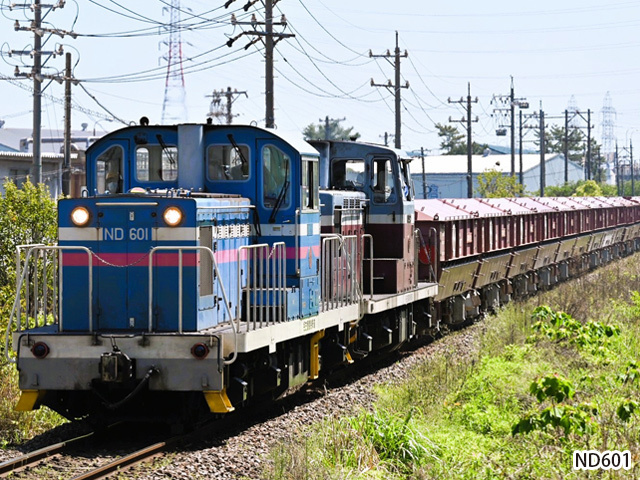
(260, 282)
(16, 312)
(217, 276)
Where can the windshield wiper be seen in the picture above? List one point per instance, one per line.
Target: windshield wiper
(164, 147)
(238, 150)
(281, 195)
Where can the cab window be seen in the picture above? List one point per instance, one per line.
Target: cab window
(406, 181)
(155, 163)
(347, 174)
(227, 162)
(383, 184)
(276, 173)
(310, 195)
(109, 171)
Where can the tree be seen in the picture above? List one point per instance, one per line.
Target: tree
(580, 189)
(336, 131)
(27, 215)
(554, 142)
(589, 189)
(453, 141)
(493, 184)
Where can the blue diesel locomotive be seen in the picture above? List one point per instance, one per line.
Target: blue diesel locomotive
(209, 266)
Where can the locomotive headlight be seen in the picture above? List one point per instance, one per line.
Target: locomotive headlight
(80, 216)
(172, 216)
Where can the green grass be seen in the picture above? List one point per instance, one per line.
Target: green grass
(16, 427)
(574, 383)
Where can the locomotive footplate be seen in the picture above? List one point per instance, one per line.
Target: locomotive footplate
(65, 361)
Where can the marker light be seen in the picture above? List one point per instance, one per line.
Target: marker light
(200, 351)
(172, 216)
(80, 216)
(40, 350)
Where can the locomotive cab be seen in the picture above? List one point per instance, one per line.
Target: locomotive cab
(382, 175)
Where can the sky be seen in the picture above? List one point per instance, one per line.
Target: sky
(558, 54)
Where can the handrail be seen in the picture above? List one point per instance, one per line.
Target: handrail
(370, 237)
(354, 293)
(20, 280)
(260, 275)
(296, 240)
(218, 277)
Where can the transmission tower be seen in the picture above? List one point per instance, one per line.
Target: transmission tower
(174, 106)
(572, 110)
(608, 127)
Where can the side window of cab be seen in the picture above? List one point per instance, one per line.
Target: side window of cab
(109, 171)
(383, 182)
(276, 177)
(228, 162)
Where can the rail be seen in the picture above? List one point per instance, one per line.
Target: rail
(264, 291)
(218, 277)
(32, 277)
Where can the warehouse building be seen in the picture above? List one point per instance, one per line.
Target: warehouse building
(445, 176)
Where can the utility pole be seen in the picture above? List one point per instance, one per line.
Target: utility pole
(395, 87)
(565, 146)
(589, 144)
(386, 138)
(37, 93)
(424, 175)
(523, 124)
(327, 126)
(270, 41)
(621, 169)
(215, 109)
(513, 102)
(270, 115)
(520, 148)
(588, 156)
(542, 151)
(66, 169)
(633, 185)
(567, 120)
(617, 165)
(36, 72)
(468, 122)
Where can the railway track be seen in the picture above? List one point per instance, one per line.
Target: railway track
(37, 456)
(69, 459)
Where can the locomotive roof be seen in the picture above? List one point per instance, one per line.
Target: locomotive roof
(371, 147)
(294, 141)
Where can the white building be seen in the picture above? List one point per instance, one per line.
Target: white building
(446, 175)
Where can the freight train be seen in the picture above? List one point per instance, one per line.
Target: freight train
(206, 267)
